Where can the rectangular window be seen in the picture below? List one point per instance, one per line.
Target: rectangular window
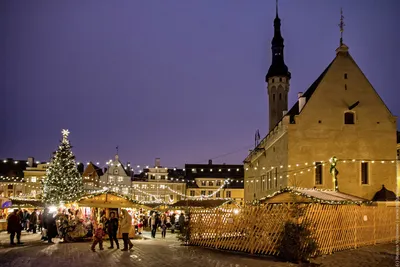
(210, 192)
(120, 179)
(318, 172)
(218, 183)
(270, 180)
(125, 191)
(267, 180)
(203, 192)
(218, 194)
(33, 179)
(364, 173)
(276, 178)
(210, 183)
(203, 183)
(228, 194)
(162, 177)
(192, 193)
(263, 183)
(171, 197)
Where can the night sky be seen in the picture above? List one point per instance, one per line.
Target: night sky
(182, 80)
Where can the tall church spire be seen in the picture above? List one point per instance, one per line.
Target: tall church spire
(278, 77)
(278, 67)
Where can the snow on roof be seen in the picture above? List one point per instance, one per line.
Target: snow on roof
(329, 195)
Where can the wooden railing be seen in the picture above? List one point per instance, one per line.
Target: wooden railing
(258, 229)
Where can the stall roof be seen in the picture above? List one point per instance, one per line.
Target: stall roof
(313, 195)
(107, 199)
(34, 203)
(209, 203)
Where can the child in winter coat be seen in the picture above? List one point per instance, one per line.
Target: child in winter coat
(98, 237)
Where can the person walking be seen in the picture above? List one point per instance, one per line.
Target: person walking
(153, 224)
(163, 224)
(14, 227)
(125, 228)
(173, 223)
(51, 227)
(112, 229)
(98, 237)
(33, 220)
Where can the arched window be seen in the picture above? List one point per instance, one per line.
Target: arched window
(349, 117)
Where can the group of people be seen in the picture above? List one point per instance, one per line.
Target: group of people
(112, 226)
(67, 224)
(20, 220)
(164, 221)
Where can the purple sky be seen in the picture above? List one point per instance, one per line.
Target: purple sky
(182, 80)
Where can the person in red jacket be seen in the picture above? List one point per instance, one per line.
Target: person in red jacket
(14, 227)
(98, 237)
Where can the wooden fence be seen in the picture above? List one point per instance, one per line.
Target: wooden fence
(258, 229)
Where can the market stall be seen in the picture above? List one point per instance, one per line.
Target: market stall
(8, 206)
(95, 206)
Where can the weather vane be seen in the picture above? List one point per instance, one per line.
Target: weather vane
(341, 26)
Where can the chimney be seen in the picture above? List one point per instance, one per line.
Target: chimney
(157, 163)
(210, 162)
(31, 160)
(299, 94)
(302, 101)
(284, 113)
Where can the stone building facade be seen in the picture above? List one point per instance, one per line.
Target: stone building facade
(339, 115)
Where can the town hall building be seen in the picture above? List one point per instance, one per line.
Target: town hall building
(340, 115)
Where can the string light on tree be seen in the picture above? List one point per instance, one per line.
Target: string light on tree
(63, 182)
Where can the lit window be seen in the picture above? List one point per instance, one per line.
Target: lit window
(228, 194)
(120, 179)
(33, 179)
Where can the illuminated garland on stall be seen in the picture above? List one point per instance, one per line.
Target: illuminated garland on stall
(295, 191)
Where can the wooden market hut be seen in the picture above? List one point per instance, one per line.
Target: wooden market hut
(109, 200)
(310, 195)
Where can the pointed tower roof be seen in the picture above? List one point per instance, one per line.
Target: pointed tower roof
(278, 66)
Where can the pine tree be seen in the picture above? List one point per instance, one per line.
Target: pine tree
(63, 182)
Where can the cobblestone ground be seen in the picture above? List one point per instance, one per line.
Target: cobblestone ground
(167, 253)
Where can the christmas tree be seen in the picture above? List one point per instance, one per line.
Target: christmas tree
(63, 182)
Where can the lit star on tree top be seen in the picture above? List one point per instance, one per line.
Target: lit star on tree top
(65, 133)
